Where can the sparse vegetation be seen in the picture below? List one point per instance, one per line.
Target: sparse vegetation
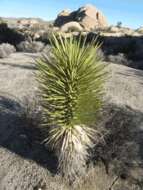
(71, 83)
(8, 35)
(119, 24)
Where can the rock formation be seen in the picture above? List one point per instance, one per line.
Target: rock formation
(140, 30)
(28, 22)
(89, 17)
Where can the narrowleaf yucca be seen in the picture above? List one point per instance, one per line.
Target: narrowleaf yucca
(71, 82)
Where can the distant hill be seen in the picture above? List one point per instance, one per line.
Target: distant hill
(12, 21)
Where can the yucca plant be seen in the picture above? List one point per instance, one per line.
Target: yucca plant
(71, 82)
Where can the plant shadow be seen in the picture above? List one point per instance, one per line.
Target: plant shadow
(122, 149)
(123, 143)
(20, 135)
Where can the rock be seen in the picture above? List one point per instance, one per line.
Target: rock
(119, 59)
(136, 34)
(66, 35)
(33, 22)
(55, 29)
(23, 22)
(117, 31)
(65, 12)
(6, 49)
(111, 34)
(31, 47)
(63, 18)
(122, 30)
(140, 30)
(71, 27)
(114, 29)
(127, 31)
(27, 22)
(88, 16)
(124, 86)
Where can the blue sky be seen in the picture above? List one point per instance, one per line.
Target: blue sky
(129, 12)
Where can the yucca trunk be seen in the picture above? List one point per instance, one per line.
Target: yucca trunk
(72, 149)
(70, 81)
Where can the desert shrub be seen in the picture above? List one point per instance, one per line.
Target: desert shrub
(31, 47)
(30, 115)
(120, 148)
(6, 49)
(119, 24)
(8, 35)
(71, 83)
(120, 58)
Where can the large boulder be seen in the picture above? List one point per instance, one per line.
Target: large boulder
(30, 47)
(140, 30)
(6, 49)
(71, 26)
(114, 29)
(88, 16)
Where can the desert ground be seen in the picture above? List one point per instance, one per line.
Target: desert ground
(25, 164)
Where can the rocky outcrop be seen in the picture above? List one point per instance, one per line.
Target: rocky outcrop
(27, 22)
(88, 16)
(63, 18)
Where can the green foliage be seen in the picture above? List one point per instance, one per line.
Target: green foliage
(71, 82)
